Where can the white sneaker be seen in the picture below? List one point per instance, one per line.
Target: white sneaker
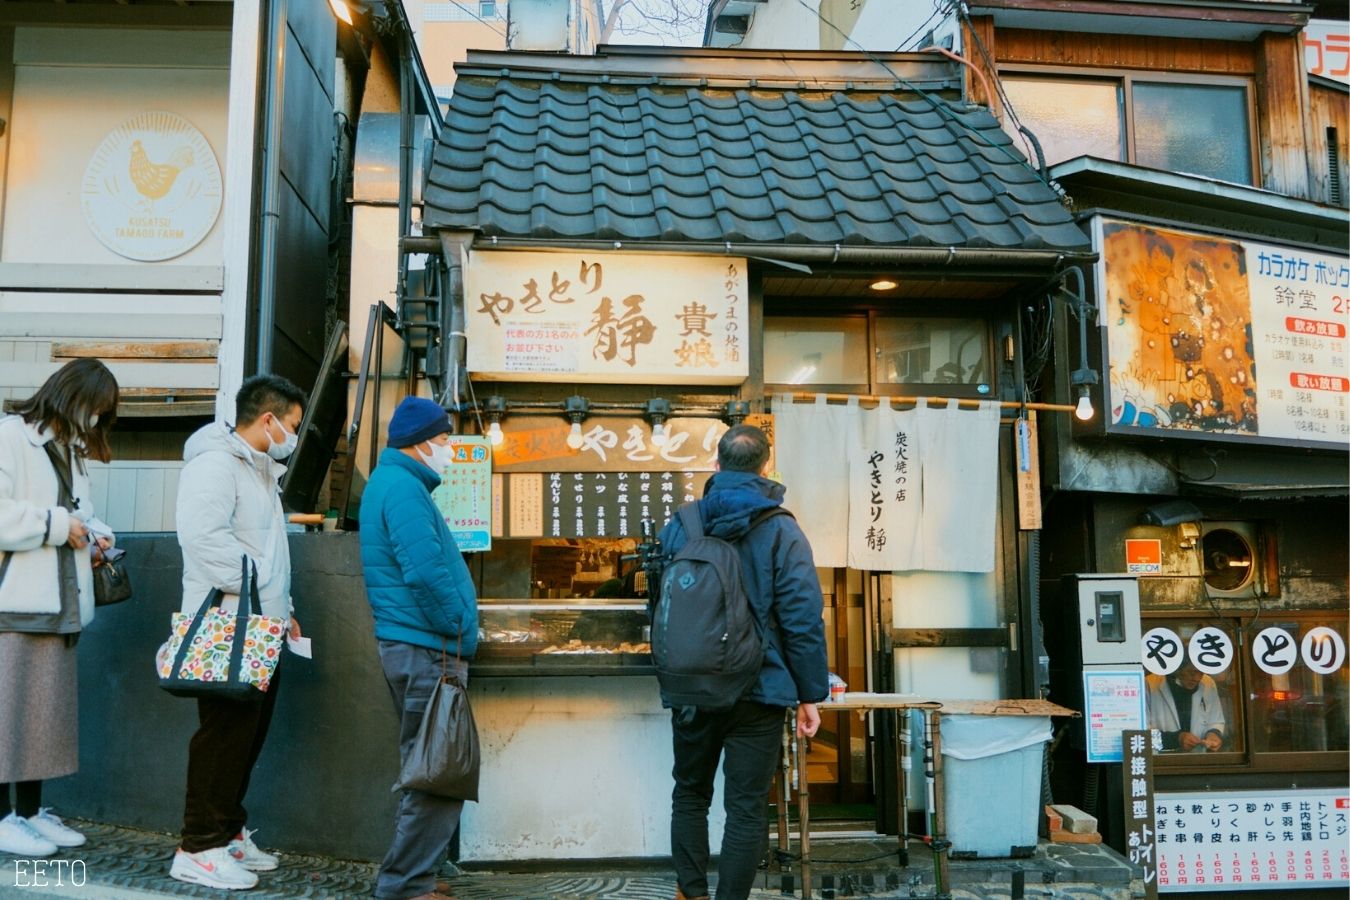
(214, 868)
(247, 854)
(20, 838)
(54, 830)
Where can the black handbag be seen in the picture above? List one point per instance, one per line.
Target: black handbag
(444, 759)
(112, 581)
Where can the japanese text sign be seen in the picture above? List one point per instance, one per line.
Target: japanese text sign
(1115, 703)
(616, 318)
(464, 495)
(1252, 840)
(1140, 830)
(1211, 336)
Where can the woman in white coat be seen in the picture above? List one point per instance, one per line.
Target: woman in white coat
(46, 591)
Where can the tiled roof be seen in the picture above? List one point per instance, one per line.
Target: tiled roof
(525, 155)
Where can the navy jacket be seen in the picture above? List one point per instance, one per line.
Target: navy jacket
(419, 588)
(780, 580)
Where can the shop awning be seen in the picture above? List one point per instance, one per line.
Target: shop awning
(539, 148)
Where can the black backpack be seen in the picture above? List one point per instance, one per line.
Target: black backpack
(706, 641)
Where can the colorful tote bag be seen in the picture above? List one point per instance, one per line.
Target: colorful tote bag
(219, 653)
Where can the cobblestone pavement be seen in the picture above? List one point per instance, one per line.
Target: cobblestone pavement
(129, 864)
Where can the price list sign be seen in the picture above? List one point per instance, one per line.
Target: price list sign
(464, 495)
(1252, 840)
(607, 504)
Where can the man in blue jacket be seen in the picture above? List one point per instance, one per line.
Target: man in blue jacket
(424, 605)
(781, 582)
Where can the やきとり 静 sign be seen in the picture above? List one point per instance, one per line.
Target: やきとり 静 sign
(609, 317)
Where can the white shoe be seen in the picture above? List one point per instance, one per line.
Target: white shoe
(20, 838)
(54, 830)
(214, 868)
(247, 854)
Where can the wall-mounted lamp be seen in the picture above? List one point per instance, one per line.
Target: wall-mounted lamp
(576, 409)
(1083, 377)
(1171, 512)
(494, 408)
(735, 411)
(657, 411)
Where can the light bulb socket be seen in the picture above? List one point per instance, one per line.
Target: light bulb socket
(576, 408)
(1083, 376)
(657, 410)
(735, 411)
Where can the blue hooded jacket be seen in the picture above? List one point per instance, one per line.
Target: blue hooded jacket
(780, 580)
(419, 588)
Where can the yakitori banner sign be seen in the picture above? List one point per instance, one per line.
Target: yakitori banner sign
(1211, 337)
(614, 318)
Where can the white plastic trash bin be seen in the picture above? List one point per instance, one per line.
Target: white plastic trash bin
(991, 767)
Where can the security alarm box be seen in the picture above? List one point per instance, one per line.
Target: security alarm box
(1108, 619)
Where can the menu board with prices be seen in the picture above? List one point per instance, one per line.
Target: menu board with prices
(464, 496)
(1252, 840)
(597, 504)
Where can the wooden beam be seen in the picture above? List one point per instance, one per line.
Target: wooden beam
(1282, 113)
(981, 30)
(158, 350)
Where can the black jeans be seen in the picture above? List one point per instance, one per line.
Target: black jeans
(750, 736)
(221, 758)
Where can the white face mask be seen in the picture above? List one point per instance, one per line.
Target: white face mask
(90, 421)
(438, 460)
(280, 451)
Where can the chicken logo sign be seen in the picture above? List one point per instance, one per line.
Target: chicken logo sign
(152, 189)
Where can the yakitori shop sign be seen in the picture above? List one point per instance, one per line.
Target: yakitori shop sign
(1213, 337)
(616, 318)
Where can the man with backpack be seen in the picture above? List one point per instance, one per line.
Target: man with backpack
(738, 640)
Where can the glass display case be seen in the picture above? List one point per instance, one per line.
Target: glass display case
(577, 636)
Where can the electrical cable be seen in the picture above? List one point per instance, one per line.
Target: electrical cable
(939, 7)
(939, 106)
(964, 15)
(480, 18)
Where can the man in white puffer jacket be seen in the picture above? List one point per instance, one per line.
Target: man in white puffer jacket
(229, 507)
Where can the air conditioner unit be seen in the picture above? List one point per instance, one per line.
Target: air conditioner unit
(1237, 561)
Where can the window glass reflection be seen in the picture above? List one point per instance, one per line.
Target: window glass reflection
(814, 350)
(1195, 711)
(1299, 710)
(932, 351)
(1194, 128)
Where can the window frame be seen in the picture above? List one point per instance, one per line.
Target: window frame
(802, 308)
(1248, 760)
(1127, 78)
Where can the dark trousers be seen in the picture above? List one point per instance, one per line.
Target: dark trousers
(221, 757)
(425, 823)
(27, 799)
(749, 735)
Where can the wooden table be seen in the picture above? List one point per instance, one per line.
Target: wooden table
(794, 767)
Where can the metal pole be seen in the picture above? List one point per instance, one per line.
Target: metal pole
(940, 845)
(900, 721)
(803, 813)
(784, 788)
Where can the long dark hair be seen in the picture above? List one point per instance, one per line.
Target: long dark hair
(65, 402)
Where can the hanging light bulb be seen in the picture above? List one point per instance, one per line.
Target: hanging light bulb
(494, 410)
(1084, 411)
(576, 409)
(657, 411)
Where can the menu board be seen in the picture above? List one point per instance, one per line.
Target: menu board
(464, 495)
(1252, 840)
(596, 504)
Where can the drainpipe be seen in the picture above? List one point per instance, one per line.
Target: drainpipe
(275, 80)
(405, 162)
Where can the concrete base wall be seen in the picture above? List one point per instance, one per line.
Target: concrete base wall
(323, 782)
